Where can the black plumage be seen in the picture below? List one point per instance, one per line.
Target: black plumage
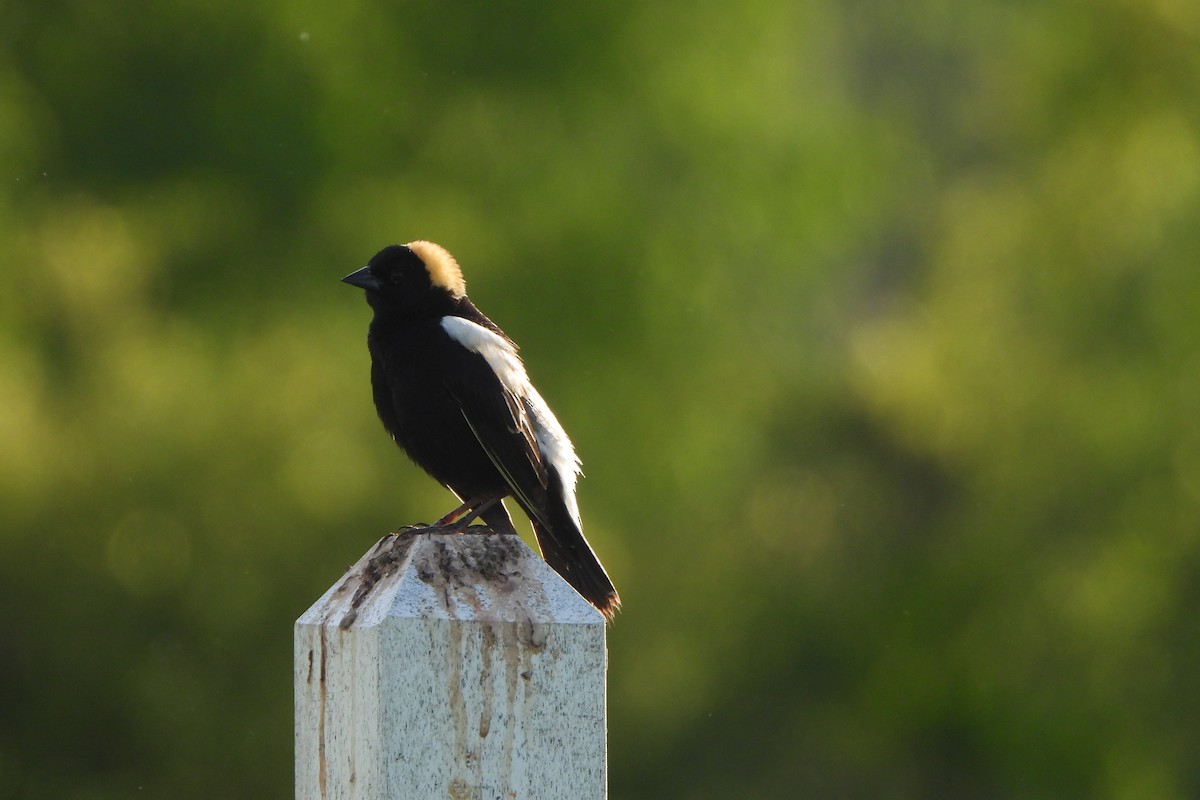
(452, 391)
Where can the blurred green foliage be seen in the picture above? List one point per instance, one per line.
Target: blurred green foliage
(875, 325)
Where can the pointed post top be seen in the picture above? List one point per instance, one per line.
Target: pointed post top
(470, 576)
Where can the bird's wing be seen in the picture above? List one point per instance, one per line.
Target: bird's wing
(493, 392)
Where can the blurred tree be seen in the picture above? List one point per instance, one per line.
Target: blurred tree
(872, 323)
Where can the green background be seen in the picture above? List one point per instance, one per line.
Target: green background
(875, 325)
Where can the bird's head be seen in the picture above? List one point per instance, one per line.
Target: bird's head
(410, 277)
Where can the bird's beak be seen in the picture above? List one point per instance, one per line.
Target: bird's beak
(363, 279)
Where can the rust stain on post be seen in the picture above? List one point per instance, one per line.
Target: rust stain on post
(321, 771)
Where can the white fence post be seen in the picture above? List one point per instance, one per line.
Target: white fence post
(454, 666)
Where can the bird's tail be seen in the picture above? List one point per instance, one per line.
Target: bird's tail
(564, 548)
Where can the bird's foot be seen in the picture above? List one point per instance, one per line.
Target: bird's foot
(456, 521)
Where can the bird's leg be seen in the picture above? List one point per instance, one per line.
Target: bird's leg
(471, 503)
(482, 507)
(472, 509)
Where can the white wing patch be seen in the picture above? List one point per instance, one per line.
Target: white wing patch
(500, 354)
(552, 440)
(556, 448)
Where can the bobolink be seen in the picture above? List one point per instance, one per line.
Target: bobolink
(453, 393)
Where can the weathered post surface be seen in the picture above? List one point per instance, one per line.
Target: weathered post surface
(455, 666)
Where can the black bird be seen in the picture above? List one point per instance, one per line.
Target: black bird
(453, 393)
